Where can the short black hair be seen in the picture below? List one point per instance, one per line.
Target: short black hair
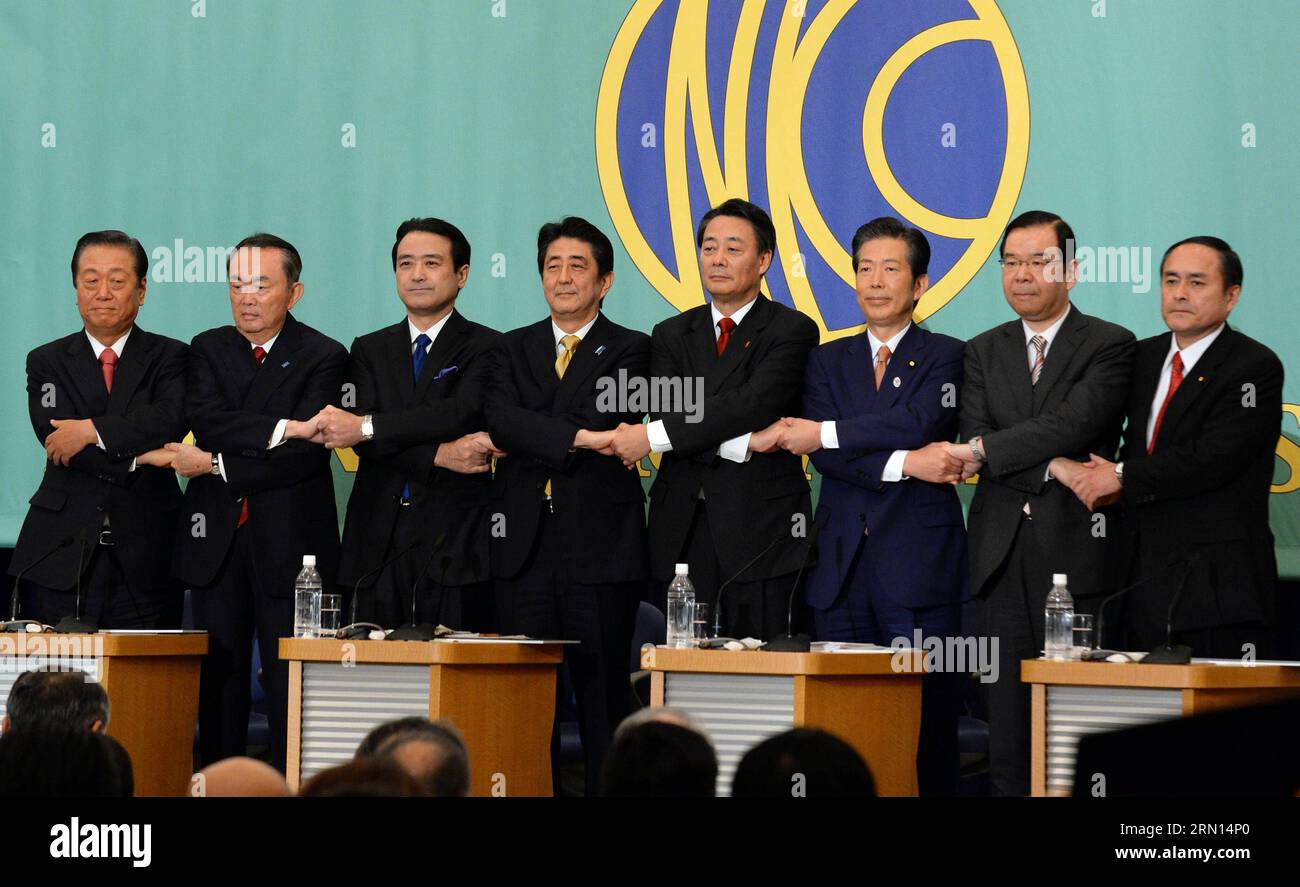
(430, 225)
(579, 229)
(829, 767)
(450, 778)
(1033, 219)
(918, 248)
(1229, 261)
(56, 698)
(364, 778)
(112, 237)
(262, 240)
(657, 759)
(759, 220)
(63, 762)
(371, 742)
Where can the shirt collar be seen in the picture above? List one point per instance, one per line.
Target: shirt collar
(117, 346)
(267, 345)
(892, 344)
(1193, 352)
(431, 332)
(581, 334)
(738, 315)
(1050, 333)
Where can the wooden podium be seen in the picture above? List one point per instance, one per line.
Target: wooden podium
(501, 696)
(1071, 699)
(870, 700)
(152, 682)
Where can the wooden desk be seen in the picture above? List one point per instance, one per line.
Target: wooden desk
(152, 682)
(1071, 699)
(870, 700)
(501, 696)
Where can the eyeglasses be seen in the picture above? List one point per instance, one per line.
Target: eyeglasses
(1036, 264)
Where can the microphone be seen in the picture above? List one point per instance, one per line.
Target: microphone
(424, 631)
(75, 624)
(1102, 653)
(1170, 653)
(791, 642)
(355, 630)
(20, 625)
(717, 604)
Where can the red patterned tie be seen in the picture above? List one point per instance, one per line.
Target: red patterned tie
(725, 326)
(259, 355)
(108, 363)
(1175, 379)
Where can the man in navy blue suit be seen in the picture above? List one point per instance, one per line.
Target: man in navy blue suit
(892, 549)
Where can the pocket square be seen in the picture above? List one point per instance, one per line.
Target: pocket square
(446, 371)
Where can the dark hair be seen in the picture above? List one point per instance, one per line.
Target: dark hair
(459, 245)
(112, 237)
(829, 767)
(757, 217)
(918, 248)
(63, 762)
(579, 229)
(1034, 218)
(660, 760)
(449, 776)
(1229, 261)
(371, 742)
(56, 699)
(262, 240)
(364, 778)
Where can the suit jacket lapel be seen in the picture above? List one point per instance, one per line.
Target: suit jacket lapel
(442, 348)
(745, 332)
(86, 376)
(539, 346)
(397, 361)
(275, 367)
(910, 350)
(1146, 378)
(131, 367)
(1059, 353)
(1196, 380)
(584, 363)
(859, 374)
(1020, 383)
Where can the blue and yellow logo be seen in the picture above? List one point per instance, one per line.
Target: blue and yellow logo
(827, 113)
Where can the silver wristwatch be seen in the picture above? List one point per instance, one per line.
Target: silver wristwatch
(1119, 471)
(367, 427)
(216, 464)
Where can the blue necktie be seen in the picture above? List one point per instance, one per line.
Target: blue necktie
(418, 357)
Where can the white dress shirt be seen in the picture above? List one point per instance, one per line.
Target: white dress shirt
(737, 448)
(893, 470)
(1191, 354)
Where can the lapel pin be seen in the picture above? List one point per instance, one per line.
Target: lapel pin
(284, 365)
(600, 350)
(911, 363)
(747, 343)
(898, 383)
(1200, 378)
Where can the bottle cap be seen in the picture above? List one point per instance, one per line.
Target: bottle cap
(1058, 579)
(309, 560)
(681, 569)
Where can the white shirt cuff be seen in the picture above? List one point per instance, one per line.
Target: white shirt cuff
(132, 468)
(278, 437)
(893, 471)
(736, 449)
(659, 442)
(830, 438)
(99, 441)
(221, 466)
(1047, 473)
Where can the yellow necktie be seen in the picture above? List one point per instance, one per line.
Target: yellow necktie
(562, 362)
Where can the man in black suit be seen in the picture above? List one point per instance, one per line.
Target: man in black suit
(1040, 394)
(726, 500)
(567, 529)
(1196, 466)
(103, 402)
(417, 424)
(261, 495)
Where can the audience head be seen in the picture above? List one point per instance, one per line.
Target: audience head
(364, 778)
(431, 751)
(659, 757)
(241, 778)
(56, 698)
(46, 761)
(803, 762)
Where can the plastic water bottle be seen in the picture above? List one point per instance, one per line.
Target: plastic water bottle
(681, 609)
(306, 597)
(1059, 641)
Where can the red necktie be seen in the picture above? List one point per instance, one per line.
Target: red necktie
(259, 355)
(108, 363)
(1175, 379)
(726, 325)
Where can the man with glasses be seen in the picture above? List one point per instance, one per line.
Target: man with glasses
(1041, 394)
